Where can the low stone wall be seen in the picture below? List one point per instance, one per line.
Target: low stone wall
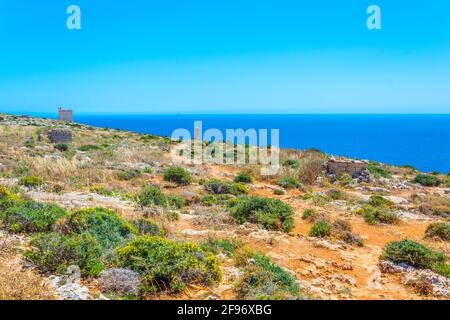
(356, 169)
(60, 136)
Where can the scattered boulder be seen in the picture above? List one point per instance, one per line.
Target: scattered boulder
(68, 286)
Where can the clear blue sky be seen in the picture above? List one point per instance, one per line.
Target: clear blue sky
(220, 56)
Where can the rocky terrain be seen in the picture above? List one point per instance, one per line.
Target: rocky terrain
(105, 214)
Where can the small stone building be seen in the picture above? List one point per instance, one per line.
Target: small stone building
(60, 136)
(356, 169)
(65, 115)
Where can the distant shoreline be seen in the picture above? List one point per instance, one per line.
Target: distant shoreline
(396, 139)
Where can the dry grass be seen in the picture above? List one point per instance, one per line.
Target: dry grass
(141, 154)
(16, 284)
(311, 165)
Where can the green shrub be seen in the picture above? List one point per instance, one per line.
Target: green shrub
(55, 252)
(31, 216)
(172, 215)
(279, 192)
(217, 246)
(238, 189)
(373, 215)
(309, 214)
(293, 163)
(378, 171)
(106, 226)
(129, 174)
(151, 196)
(264, 280)
(288, 183)
(379, 201)
(243, 178)
(345, 179)
(215, 186)
(178, 175)
(29, 143)
(335, 194)
(88, 148)
(320, 229)
(176, 202)
(166, 265)
(427, 180)
(7, 199)
(147, 227)
(31, 181)
(271, 213)
(102, 191)
(412, 253)
(211, 199)
(439, 230)
(63, 147)
(442, 268)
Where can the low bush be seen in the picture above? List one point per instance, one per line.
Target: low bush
(292, 163)
(176, 202)
(211, 199)
(151, 196)
(31, 216)
(442, 268)
(63, 147)
(279, 192)
(440, 230)
(373, 215)
(309, 214)
(55, 252)
(166, 265)
(147, 227)
(342, 230)
(215, 186)
(106, 226)
(264, 280)
(412, 253)
(178, 175)
(335, 194)
(380, 201)
(129, 174)
(345, 179)
(31, 181)
(271, 213)
(378, 171)
(120, 281)
(320, 229)
(289, 183)
(225, 246)
(88, 147)
(243, 178)
(427, 180)
(7, 199)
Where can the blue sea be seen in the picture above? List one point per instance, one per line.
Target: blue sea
(419, 140)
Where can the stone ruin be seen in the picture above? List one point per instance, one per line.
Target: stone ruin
(356, 169)
(60, 135)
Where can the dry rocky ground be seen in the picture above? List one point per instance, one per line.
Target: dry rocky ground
(107, 168)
